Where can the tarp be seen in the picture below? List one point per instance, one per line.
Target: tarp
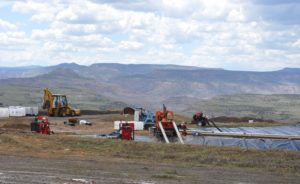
(292, 130)
(4, 112)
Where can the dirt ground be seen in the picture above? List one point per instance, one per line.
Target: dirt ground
(101, 124)
(26, 158)
(24, 169)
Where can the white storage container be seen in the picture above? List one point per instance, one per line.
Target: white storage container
(31, 111)
(35, 111)
(17, 111)
(117, 124)
(138, 125)
(28, 111)
(4, 112)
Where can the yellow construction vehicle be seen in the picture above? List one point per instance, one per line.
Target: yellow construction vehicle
(57, 105)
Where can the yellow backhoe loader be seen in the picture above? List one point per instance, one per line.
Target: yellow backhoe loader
(57, 105)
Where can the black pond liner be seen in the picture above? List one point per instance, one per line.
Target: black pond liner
(254, 143)
(283, 144)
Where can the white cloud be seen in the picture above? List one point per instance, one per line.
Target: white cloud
(216, 33)
(41, 17)
(54, 46)
(41, 11)
(236, 16)
(29, 6)
(130, 45)
(5, 25)
(46, 34)
(296, 44)
(14, 41)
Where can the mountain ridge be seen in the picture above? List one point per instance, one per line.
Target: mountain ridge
(146, 86)
(28, 71)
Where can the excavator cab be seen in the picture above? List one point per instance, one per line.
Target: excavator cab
(59, 101)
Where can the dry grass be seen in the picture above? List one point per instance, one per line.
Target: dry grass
(185, 155)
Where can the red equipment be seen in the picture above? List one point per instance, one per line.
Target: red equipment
(127, 131)
(166, 118)
(200, 119)
(40, 125)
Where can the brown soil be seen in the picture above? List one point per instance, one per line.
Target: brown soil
(25, 169)
(15, 124)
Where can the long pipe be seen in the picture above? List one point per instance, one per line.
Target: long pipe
(243, 135)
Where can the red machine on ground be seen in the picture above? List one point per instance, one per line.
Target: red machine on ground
(165, 126)
(127, 131)
(164, 117)
(200, 119)
(40, 125)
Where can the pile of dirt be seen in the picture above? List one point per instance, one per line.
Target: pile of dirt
(96, 112)
(225, 119)
(18, 126)
(15, 124)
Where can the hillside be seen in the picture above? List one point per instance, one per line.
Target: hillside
(82, 92)
(278, 107)
(183, 88)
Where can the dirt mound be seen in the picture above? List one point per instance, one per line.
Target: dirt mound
(225, 119)
(96, 112)
(18, 126)
(13, 124)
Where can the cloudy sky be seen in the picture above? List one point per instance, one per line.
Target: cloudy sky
(258, 35)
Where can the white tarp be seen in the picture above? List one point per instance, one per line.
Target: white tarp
(84, 122)
(138, 125)
(31, 111)
(17, 111)
(4, 112)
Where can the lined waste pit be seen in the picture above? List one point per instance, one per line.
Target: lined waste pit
(248, 143)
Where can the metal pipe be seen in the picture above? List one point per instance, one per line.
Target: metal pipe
(243, 135)
(163, 132)
(177, 132)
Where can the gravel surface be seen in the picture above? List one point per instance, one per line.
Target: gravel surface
(25, 169)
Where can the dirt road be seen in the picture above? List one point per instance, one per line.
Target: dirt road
(19, 169)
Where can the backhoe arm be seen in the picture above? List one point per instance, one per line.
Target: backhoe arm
(48, 100)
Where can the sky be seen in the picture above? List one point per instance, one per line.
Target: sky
(253, 35)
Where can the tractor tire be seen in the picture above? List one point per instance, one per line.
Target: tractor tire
(63, 113)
